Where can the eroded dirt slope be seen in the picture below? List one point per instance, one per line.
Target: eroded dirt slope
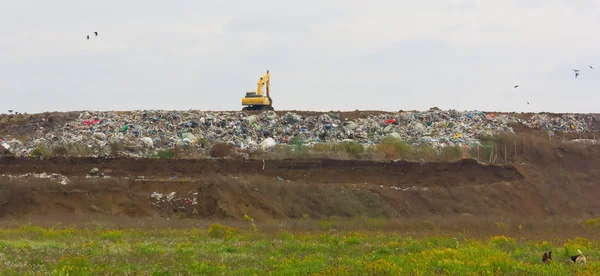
(317, 171)
(560, 181)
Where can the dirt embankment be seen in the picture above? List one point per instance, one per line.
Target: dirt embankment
(232, 188)
(560, 181)
(310, 171)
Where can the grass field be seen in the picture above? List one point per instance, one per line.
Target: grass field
(222, 250)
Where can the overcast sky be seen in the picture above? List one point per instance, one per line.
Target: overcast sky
(323, 55)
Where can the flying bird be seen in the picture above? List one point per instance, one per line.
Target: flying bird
(10, 111)
(576, 72)
(96, 33)
(527, 103)
(516, 86)
(88, 37)
(592, 67)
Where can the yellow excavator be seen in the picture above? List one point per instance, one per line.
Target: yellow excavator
(256, 100)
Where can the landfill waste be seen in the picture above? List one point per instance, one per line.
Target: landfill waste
(158, 196)
(95, 173)
(170, 203)
(281, 179)
(584, 141)
(148, 132)
(61, 179)
(413, 188)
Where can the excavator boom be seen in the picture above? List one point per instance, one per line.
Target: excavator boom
(264, 80)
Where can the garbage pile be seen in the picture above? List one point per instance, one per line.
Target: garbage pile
(568, 123)
(170, 203)
(142, 133)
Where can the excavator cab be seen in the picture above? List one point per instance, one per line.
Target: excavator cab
(256, 100)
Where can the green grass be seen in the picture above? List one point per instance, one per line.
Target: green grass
(166, 154)
(222, 250)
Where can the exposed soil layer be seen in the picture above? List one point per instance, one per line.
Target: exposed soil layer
(547, 182)
(317, 171)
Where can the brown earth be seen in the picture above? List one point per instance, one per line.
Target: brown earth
(546, 180)
(25, 125)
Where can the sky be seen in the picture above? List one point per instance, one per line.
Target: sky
(322, 55)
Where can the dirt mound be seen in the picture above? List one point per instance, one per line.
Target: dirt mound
(24, 125)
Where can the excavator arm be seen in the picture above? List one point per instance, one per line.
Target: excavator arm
(264, 80)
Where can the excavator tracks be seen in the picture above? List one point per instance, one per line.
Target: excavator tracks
(258, 108)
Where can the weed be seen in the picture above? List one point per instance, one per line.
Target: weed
(41, 151)
(450, 154)
(592, 223)
(251, 220)
(428, 224)
(219, 231)
(60, 150)
(297, 146)
(166, 154)
(353, 149)
(112, 235)
(501, 226)
(31, 250)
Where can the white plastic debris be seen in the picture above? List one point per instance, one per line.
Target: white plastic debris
(190, 137)
(156, 195)
(61, 179)
(268, 143)
(148, 142)
(170, 196)
(100, 136)
(413, 188)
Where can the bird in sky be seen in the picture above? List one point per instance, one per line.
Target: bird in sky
(527, 103)
(576, 72)
(96, 33)
(88, 37)
(516, 86)
(592, 67)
